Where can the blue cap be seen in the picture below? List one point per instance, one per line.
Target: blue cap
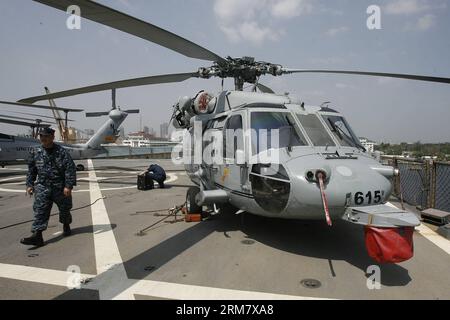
(46, 132)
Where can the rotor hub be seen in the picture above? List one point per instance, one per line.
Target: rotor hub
(244, 69)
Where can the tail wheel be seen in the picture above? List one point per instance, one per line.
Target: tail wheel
(80, 167)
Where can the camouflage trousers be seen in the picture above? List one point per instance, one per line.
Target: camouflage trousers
(44, 197)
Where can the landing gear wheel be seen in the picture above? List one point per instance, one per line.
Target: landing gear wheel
(80, 167)
(191, 205)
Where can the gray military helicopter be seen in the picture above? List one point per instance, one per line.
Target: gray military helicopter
(15, 150)
(322, 171)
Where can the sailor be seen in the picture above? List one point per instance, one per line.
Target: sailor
(51, 178)
(157, 173)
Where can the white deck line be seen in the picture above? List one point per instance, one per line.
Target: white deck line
(430, 235)
(37, 275)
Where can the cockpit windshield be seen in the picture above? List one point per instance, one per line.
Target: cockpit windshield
(315, 130)
(289, 134)
(263, 126)
(342, 131)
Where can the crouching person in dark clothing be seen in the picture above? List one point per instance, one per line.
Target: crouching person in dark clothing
(157, 173)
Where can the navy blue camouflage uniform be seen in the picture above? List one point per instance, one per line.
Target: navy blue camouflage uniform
(54, 170)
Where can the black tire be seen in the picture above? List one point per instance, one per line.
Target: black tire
(191, 206)
(80, 167)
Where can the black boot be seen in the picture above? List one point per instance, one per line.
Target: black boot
(67, 230)
(35, 240)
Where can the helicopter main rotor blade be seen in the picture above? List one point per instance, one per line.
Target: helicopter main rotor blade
(36, 115)
(26, 119)
(96, 114)
(264, 89)
(123, 22)
(25, 104)
(372, 74)
(132, 111)
(135, 82)
(23, 123)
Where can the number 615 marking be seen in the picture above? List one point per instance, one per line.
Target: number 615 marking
(360, 197)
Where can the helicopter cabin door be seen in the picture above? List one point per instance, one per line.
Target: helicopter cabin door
(232, 174)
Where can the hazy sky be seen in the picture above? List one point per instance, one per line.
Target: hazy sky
(37, 50)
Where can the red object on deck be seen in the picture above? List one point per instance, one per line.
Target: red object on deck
(389, 245)
(191, 217)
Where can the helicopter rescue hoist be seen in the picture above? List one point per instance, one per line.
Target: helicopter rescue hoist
(321, 171)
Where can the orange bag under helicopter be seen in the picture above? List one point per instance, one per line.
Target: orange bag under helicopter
(389, 245)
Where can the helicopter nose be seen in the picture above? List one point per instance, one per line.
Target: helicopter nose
(346, 183)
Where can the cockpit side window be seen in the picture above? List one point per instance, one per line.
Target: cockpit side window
(315, 130)
(263, 125)
(219, 123)
(233, 137)
(216, 123)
